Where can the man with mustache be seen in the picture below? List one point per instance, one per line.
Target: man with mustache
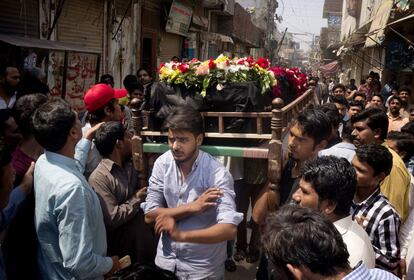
(395, 118)
(370, 127)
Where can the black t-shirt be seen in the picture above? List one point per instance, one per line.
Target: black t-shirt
(288, 183)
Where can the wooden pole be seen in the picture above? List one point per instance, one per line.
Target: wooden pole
(275, 160)
(138, 157)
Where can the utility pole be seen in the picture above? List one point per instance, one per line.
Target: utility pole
(279, 45)
(270, 29)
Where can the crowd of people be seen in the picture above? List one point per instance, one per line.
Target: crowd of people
(73, 205)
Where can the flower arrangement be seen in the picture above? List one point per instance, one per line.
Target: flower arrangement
(296, 79)
(203, 74)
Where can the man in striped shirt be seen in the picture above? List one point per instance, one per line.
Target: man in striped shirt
(371, 209)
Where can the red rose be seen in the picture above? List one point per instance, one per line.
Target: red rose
(250, 60)
(278, 71)
(241, 62)
(263, 62)
(183, 68)
(211, 64)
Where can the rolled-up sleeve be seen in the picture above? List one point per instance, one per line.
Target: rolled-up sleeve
(81, 153)
(226, 209)
(155, 195)
(76, 234)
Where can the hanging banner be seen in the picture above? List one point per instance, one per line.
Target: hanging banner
(351, 10)
(376, 31)
(179, 19)
(368, 9)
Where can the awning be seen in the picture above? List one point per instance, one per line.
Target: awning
(330, 68)
(401, 20)
(376, 32)
(29, 42)
(210, 36)
(200, 21)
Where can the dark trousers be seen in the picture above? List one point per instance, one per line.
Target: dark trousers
(246, 194)
(134, 238)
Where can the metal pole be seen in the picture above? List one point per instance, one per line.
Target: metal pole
(281, 42)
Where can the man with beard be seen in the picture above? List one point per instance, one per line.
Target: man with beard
(405, 94)
(9, 80)
(395, 119)
(370, 127)
(9, 131)
(191, 200)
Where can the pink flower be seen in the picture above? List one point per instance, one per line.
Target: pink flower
(202, 70)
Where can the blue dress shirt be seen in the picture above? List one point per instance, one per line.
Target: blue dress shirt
(68, 219)
(166, 189)
(361, 272)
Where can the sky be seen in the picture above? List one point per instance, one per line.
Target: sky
(301, 16)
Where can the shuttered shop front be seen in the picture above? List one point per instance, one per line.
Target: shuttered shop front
(19, 17)
(81, 23)
(170, 46)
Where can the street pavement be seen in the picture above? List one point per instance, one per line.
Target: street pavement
(245, 271)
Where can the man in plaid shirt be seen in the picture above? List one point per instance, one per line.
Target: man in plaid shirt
(371, 209)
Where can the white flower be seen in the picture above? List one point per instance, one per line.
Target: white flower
(233, 68)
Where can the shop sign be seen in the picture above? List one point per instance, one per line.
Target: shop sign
(179, 19)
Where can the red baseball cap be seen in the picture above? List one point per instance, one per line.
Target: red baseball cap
(99, 95)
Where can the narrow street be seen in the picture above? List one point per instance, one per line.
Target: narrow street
(136, 134)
